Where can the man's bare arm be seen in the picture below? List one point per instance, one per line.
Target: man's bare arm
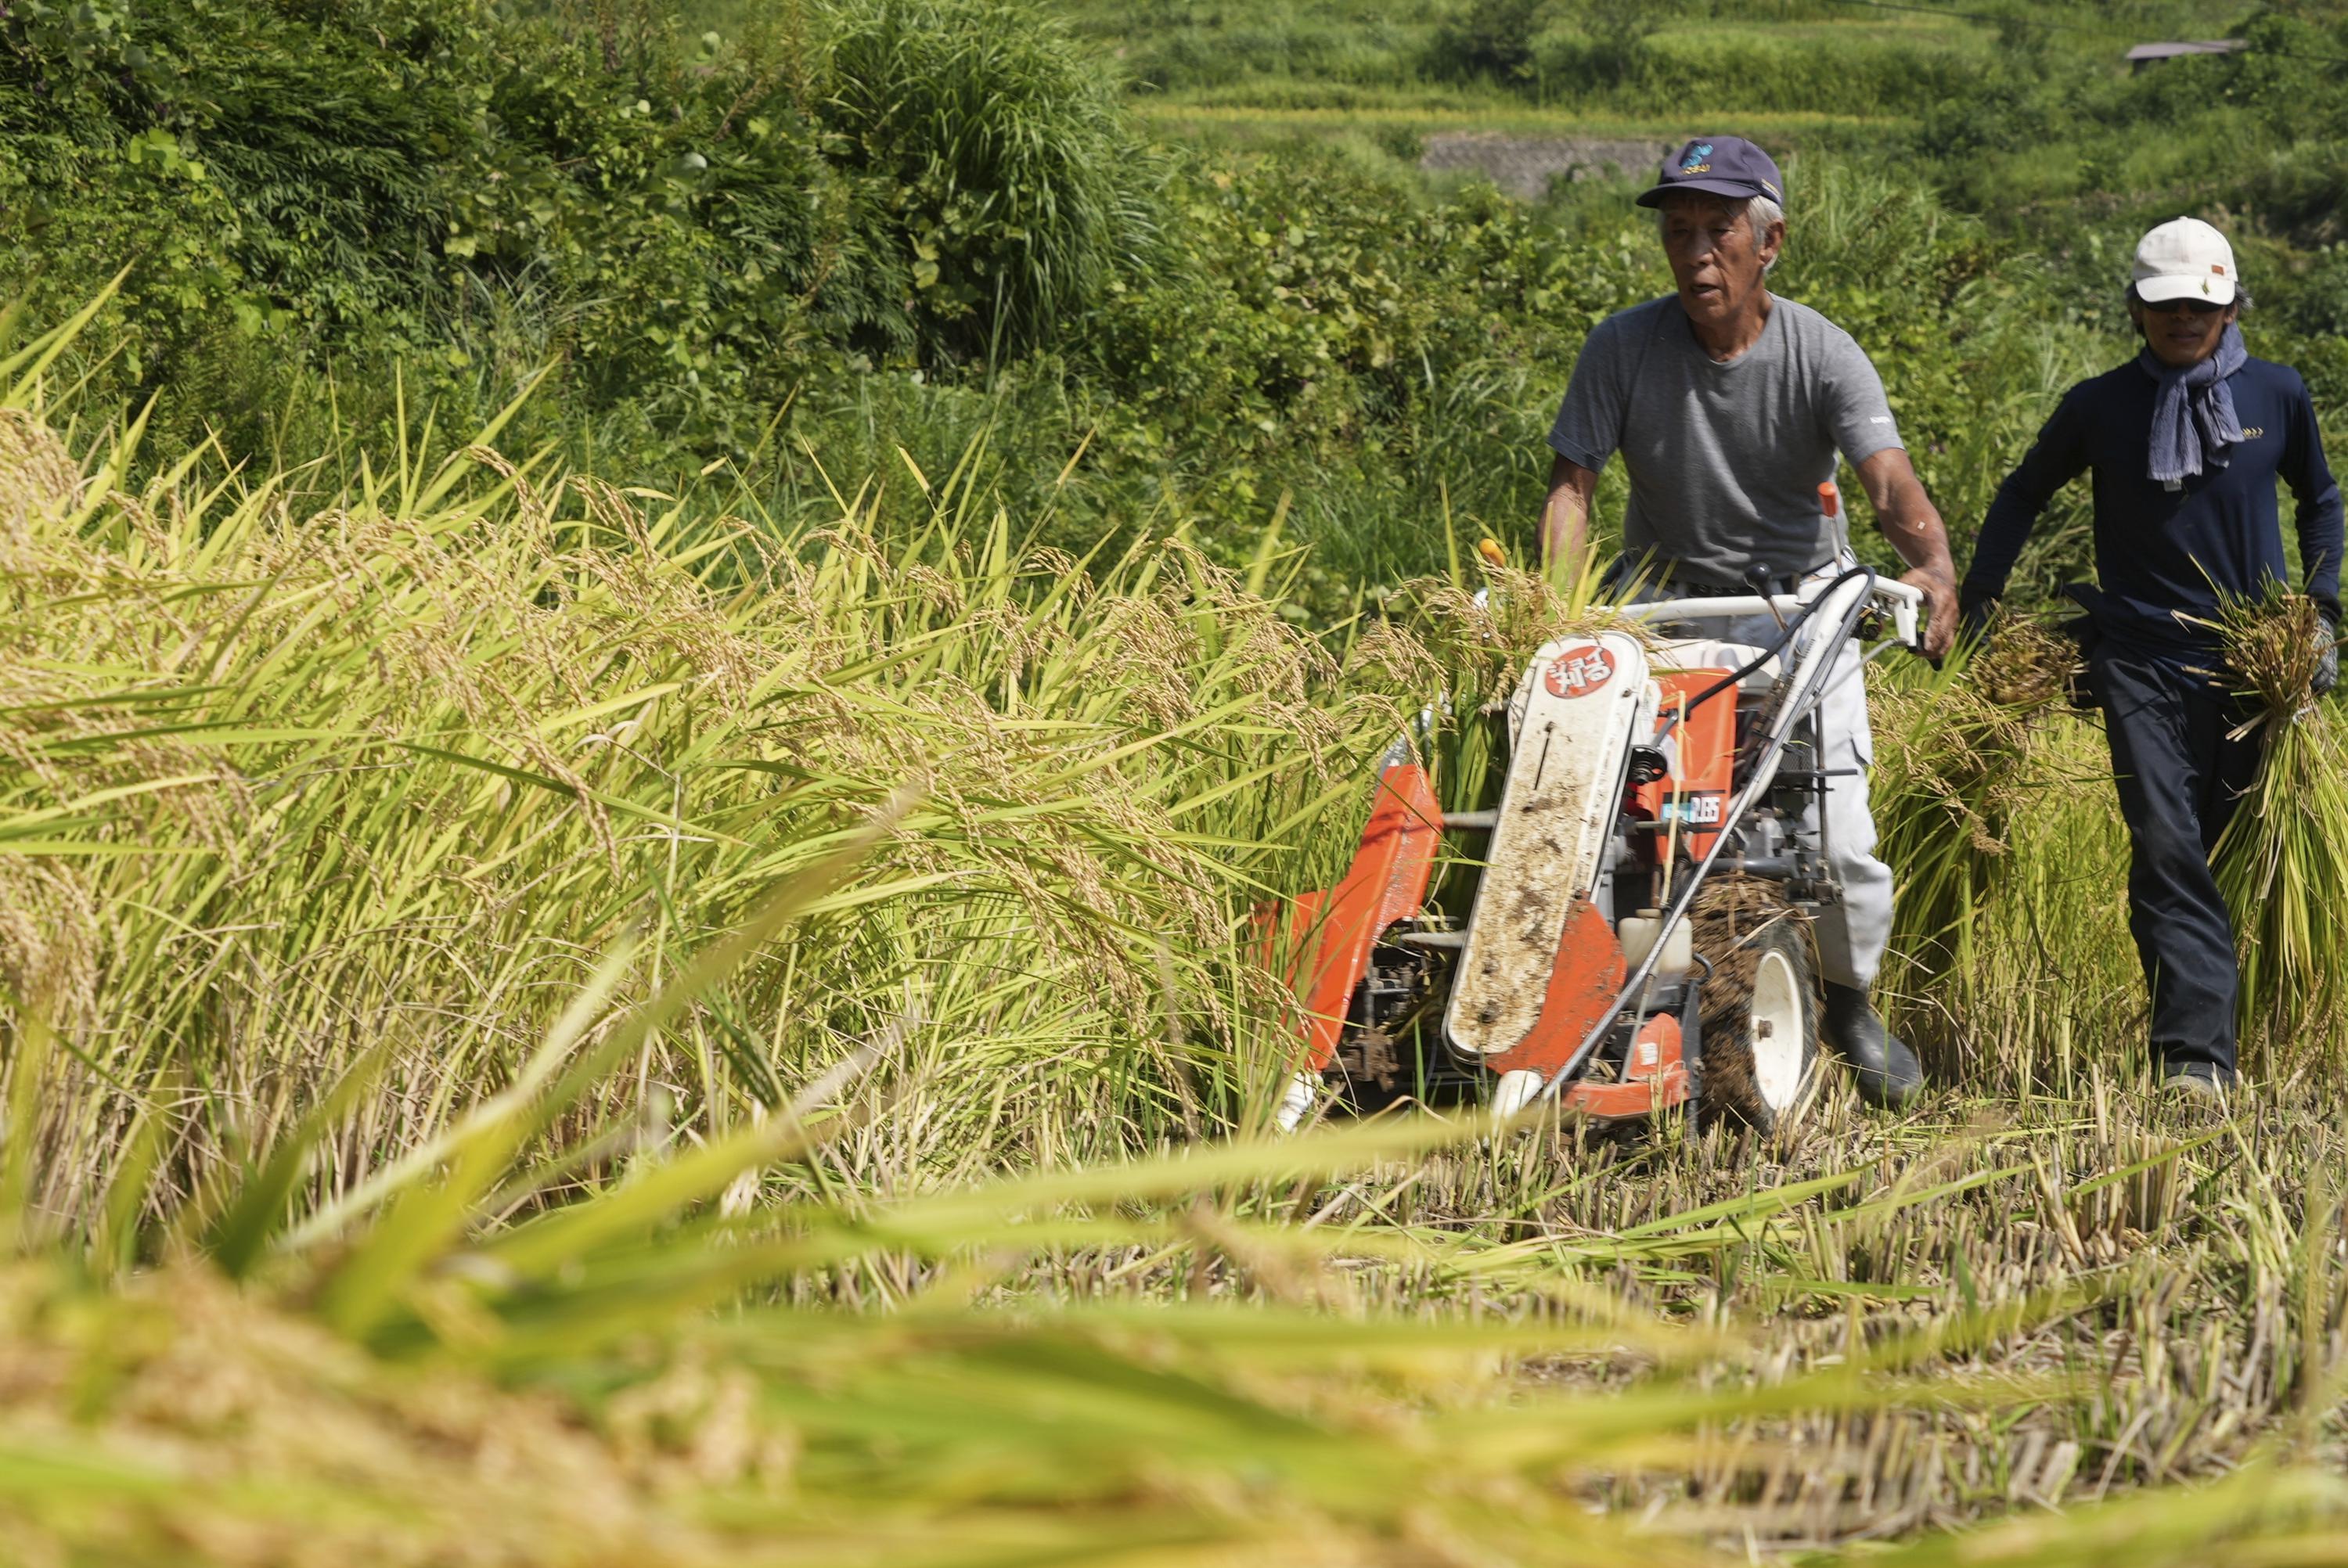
(1565, 520)
(1912, 524)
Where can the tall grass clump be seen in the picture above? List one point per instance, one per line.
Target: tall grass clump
(1958, 745)
(2282, 862)
(1018, 186)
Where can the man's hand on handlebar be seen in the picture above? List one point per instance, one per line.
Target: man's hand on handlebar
(1908, 519)
(1939, 609)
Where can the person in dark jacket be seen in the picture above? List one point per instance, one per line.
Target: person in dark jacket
(2185, 444)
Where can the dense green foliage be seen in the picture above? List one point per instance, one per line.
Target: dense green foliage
(687, 233)
(861, 225)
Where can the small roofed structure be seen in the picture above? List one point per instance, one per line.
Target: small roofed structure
(2144, 55)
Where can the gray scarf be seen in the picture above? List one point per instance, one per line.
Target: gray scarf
(2193, 418)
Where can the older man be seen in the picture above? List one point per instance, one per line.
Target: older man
(2185, 440)
(1728, 406)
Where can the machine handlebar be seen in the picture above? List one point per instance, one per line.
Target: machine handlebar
(1900, 601)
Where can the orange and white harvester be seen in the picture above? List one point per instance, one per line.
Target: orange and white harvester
(1632, 936)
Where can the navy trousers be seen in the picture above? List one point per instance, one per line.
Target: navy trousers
(2179, 778)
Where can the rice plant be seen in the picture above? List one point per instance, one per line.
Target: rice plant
(1965, 757)
(286, 789)
(2280, 862)
(556, 1024)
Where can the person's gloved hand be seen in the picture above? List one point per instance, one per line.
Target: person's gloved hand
(2327, 667)
(1974, 607)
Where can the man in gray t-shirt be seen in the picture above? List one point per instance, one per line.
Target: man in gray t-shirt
(1728, 406)
(1725, 457)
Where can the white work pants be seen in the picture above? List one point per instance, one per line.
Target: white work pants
(1853, 935)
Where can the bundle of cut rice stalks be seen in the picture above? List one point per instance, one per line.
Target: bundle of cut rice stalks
(2010, 951)
(1954, 763)
(2282, 862)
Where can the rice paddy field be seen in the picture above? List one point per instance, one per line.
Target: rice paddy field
(555, 1014)
(544, 1029)
(1852, 77)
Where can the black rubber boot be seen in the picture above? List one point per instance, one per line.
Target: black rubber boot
(1882, 1069)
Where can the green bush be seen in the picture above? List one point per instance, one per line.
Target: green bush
(1375, 359)
(1492, 39)
(686, 239)
(1000, 160)
(275, 172)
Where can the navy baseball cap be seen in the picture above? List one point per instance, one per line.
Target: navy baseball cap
(1718, 166)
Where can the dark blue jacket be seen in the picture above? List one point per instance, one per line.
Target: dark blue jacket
(2160, 551)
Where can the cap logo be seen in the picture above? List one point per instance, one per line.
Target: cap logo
(2219, 268)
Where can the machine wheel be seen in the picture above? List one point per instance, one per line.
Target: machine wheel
(1760, 1006)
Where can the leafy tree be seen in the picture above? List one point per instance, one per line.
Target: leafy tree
(1492, 38)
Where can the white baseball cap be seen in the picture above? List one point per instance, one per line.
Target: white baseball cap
(2184, 257)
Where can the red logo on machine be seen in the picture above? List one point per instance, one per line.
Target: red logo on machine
(1579, 672)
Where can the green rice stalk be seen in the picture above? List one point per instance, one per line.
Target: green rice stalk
(2282, 861)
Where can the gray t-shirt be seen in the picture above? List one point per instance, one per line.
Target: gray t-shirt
(1726, 460)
